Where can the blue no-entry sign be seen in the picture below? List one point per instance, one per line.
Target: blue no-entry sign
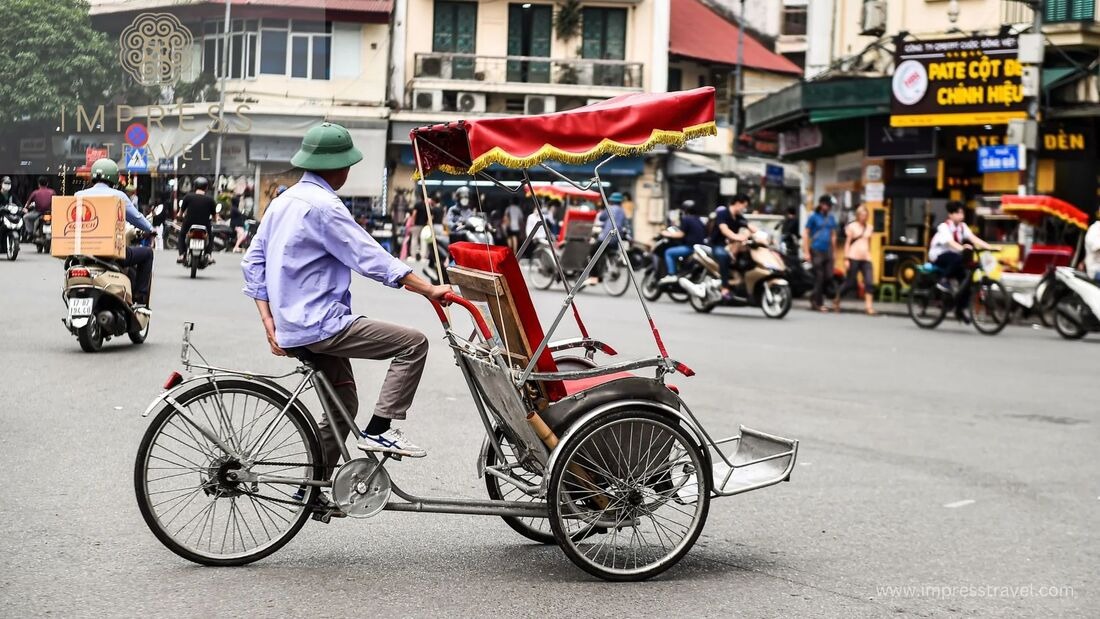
(137, 135)
(1000, 158)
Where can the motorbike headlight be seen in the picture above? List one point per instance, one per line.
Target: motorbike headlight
(13, 209)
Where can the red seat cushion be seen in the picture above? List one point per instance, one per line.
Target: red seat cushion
(499, 259)
(580, 384)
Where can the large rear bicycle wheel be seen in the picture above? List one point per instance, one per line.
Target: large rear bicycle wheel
(616, 275)
(927, 307)
(990, 306)
(187, 486)
(628, 495)
(541, 269)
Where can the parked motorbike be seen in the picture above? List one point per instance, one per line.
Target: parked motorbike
(98, 295)
(1077, 312)
(196, 257)
(758, 282)
(801, 278)
(12, 230)
(656, 270)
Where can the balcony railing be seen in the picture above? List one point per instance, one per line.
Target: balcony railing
(529, 70)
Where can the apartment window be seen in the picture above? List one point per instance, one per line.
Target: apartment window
(1069, 10)
(271, 47)
(794, 20)
(604, 38)
(242, 47)
(454, 30)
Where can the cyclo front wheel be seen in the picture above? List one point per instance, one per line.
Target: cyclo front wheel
(628, 495)
(188, 488)
(616, 276)
(541, 269)
(990, 306)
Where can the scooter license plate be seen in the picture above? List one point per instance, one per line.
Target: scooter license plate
(198, 245)
(79, 308)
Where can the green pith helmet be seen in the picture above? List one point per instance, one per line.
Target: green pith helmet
(326, 147)
(105, 170)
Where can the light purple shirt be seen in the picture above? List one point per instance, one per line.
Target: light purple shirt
(301, 261)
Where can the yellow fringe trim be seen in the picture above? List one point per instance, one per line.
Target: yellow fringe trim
(605, 147)
(1008, 208)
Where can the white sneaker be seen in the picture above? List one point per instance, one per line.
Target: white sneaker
(698, 291)
(667, 280)
(391, 441)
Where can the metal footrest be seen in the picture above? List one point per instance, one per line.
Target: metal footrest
(758, 460)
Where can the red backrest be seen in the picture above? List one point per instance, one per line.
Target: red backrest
(499, 259)
(1042, 256)
(574, 214)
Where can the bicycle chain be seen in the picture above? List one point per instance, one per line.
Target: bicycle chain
(271, 498)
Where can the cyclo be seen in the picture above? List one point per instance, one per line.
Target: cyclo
(614, 467)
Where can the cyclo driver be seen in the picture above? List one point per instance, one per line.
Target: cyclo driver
(298, 270)
(953, 237)
(105, 176)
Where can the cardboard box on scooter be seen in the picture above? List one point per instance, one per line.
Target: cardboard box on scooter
(101, 231)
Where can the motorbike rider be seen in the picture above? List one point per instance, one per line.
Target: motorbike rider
(38, 204)
(730, 232)
(104, 174)
(952, 238)
(459, 212)
(197, 209)
(692, 232)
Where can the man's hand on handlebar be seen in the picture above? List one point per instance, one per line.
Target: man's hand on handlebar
(439, 293)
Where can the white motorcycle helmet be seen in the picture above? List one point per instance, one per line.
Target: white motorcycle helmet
(762, 237)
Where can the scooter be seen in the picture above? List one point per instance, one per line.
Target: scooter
(475, 229)
(98, 295)
(196, 257)
(12, 230)
(1077, 312)
(43, 233)
(761, 283)
(656, 271)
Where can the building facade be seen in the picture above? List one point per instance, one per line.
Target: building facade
(901, 96)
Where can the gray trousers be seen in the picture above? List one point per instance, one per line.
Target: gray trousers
(823, 270)
(369, 339)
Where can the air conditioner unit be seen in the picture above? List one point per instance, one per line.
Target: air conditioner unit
(539, 104)
(431, 100)
(431, 66)
(470, 102)
(873, 19)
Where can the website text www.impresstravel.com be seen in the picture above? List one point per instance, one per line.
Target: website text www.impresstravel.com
(943, 592)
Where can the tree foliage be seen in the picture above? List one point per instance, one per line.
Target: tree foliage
(50, 56)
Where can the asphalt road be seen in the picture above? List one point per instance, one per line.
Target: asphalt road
(959, 465)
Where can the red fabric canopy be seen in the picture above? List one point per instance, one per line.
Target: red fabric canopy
(698, 32)
(1034, 208)
(554, 191)
(627, 125)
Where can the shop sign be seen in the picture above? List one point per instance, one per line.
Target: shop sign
(1008, 158)
(773, 174)
(970, 81)
(799, 140)
(886, 142)
(1055, 142)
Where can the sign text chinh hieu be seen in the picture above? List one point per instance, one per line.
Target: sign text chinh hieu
(972, 81)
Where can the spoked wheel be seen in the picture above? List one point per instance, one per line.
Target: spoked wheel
(628, 495)
(927, 307)
(540, 268)
(776, 301)
(534, 529)
(616, 276)
(1066, 326)
(204, 504)
(990, 306)
(90, 336)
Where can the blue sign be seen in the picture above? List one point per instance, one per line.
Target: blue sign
(1000, 158)
(773, 174)
(136, 159)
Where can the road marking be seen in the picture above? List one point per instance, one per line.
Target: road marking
(962, 503)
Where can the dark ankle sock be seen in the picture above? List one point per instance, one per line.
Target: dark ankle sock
(377, 425)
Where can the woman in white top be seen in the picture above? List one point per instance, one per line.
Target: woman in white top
(857, 260)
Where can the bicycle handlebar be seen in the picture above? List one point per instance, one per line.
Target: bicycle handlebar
(451, 297)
